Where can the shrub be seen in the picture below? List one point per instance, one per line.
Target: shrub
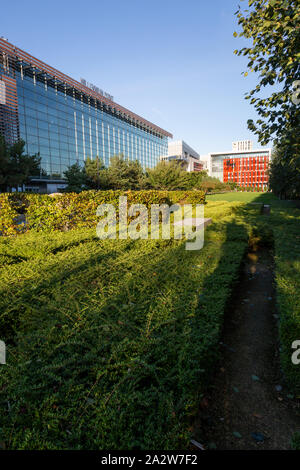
(72, 210)
(8, 215)
(111, 344)
(296, 441)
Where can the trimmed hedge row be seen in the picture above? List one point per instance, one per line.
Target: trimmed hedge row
(70, 210)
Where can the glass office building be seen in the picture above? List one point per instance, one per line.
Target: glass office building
(66, 121)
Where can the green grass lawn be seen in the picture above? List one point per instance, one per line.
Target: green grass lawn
(245, 197)
(282, 228)
(241, 197)
(285, 225)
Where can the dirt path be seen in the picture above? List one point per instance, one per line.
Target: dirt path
(249, 395)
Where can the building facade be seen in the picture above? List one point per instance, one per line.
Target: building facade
(66, 121)
(247, 168)
(180, 151)
(247, 171)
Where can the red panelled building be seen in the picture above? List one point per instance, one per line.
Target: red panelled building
(198, 166)
(247, 171)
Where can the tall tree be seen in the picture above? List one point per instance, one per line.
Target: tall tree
(124, 174)
(16, 166)
(195, 179)
(168, 176)
(96, 173)
(284, 173)
(272, 26)
(76, 178)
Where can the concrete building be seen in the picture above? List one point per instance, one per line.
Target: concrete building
(180, 151)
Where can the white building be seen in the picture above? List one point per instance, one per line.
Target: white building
(242, 145)
(181, 151)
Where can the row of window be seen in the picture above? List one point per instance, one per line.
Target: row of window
(80, 122)
(247, 159)
(245, 164)
(49, 101)
(65, 130)
(249, 180)
(242, 157)
(246, 175)
(102, 135)
(81, 146)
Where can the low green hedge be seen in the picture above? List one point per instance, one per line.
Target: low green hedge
(70, 210)
(111, 344)
(8, 215)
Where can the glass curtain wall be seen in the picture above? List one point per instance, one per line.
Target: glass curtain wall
(65, 128)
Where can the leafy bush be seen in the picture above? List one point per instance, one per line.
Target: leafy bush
(124, 174)
(296, 441)
(8, 215)
(167, 176)
(15, 166)
(70, 210)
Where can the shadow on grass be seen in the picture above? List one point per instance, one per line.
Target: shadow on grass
(280, 230)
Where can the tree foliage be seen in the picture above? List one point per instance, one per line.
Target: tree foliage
(196, 178)
(15, 166)
(285, 169)
(76, 178)
(167, 175)
(95, 172)
(121, 174)
(124, 174)
(273, 28)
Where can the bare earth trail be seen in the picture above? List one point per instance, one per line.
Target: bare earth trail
(247, 408)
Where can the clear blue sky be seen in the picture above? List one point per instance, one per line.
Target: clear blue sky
(169, 61)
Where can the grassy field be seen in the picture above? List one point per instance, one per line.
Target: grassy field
(111, 344)
(255, 197)
(285, 225)
(282, 230)
(242, 197)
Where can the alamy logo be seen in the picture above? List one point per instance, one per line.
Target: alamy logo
(296, 93)
(296, 354)
(2, 353)
(138, 222)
